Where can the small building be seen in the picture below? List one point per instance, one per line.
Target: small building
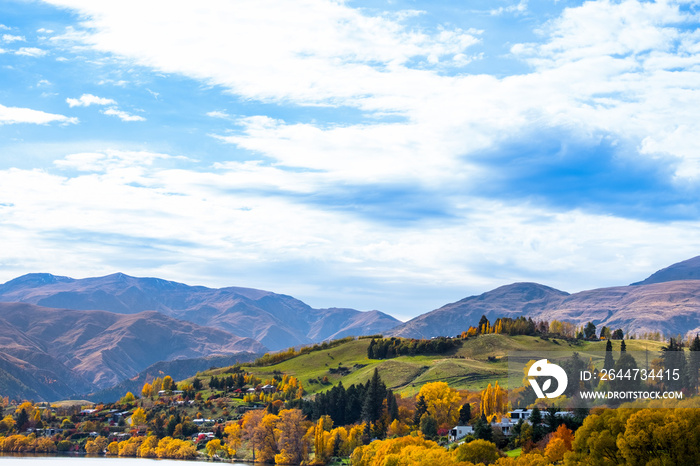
(201, 421)
(518, 414)
(267, 389)
(458, 432)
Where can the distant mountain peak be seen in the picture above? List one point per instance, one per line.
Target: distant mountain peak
(35, 279)
(684, 270)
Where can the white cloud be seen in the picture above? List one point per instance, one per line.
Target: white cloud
(519, 8)
(621, 68)
(602, 66)
(12, 38)
(122, 115)
(86, 100)
(14, 115)
(45, 31)
(31, 52)
(314, 52)
(86, 223)
(218, 114)
(110, 160)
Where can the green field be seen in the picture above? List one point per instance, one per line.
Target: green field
(467, 368)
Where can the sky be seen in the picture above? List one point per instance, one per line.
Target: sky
(393, 155)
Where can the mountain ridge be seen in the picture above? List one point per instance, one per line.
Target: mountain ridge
(278, 321)
(50, 352)
(668, 301)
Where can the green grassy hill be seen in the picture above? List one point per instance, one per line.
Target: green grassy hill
(467, 367)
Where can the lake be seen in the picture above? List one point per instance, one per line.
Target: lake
(21, 460)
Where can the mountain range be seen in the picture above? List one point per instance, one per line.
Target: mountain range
(667, 302)
(54, 353)
(275, 320)
(61, 337)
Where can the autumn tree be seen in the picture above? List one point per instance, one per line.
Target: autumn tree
(321, 436)
(250, 423)
(442, 402)
(96, 446)
(234, 433)
(168, 383)
(478, 451)
(139, 417)
(290, 430)
(493, 400)
(147, 390)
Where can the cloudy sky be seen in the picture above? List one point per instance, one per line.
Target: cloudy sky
(393, 155)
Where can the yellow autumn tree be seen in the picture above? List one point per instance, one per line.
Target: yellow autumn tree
(168, 383)
(290, 430)
(321, 436)
(139, 417)
(494, 400)
(147, 390)
(443, 402)
(267, 440)
(148, 447)
(96, 446)
(234, 434)
(213, 446)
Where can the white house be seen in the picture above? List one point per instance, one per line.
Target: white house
(458, 432)
(518, 414)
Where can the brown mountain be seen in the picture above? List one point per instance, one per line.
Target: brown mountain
(50, 353)
(277, 321)
(506, 301)
(685, 270)
(668, 301)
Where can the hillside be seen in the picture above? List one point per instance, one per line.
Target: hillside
(667, 302)
(467, 367)
(506, 301)
(55, 353)
(178, 369)
(277, 321)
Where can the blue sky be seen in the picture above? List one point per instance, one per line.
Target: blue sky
(392, 155)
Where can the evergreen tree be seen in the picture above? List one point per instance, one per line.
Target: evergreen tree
(392, 406)
(22, 419)
(421, 408)
(589, 331)
(551, 421)
(197, 384)
(370, 349)
(465, 414)
(483, 323)
(374, 398)
(428, 425)
(354, 397)
(536, 421)
(674, 361)
(623, 347)
(482, 429)
(609, 362)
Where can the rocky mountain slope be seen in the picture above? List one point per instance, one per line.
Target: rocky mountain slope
(668, 301)
(277, 321)
(50, 353)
